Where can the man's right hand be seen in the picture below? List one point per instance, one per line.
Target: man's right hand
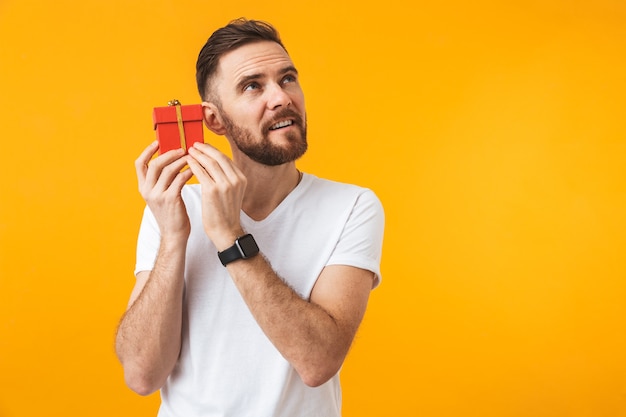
(160, 183)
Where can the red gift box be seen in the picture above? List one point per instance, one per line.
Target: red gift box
(178, 126)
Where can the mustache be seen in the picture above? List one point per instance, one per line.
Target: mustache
(283, 114)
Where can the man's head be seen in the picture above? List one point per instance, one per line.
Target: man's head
(237, 33)
(251, 93)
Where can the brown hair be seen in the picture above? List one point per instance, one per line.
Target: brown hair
(237, 33)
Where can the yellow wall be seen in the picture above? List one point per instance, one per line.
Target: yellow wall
(494, 135)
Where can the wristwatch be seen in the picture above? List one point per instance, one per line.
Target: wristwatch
(245, 247)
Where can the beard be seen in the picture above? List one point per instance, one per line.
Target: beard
(264, 151)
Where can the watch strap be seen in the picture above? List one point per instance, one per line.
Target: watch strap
(245, 247)
(229, 255)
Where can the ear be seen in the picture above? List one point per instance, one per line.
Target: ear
(212, 118)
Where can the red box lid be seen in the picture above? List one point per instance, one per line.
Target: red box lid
(167, 114)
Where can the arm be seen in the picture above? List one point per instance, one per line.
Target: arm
(313, 335)
(148, 336)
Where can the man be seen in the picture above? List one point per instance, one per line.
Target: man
(251, 284)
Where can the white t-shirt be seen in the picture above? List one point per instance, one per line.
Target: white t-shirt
(227, 366)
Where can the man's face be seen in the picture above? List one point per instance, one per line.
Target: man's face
(261, 103)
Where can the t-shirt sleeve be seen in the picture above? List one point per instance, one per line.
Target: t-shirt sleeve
(148, 242)
(360, 243)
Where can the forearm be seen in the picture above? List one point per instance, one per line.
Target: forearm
(149, 335)
(308, 336)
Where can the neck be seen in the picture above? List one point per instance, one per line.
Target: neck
(267, 187)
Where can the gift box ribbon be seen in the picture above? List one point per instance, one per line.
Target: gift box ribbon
(181, 126)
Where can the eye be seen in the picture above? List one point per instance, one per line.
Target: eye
(290, 78)
(251, 87)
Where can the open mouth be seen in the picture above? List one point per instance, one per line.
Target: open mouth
(282, 124)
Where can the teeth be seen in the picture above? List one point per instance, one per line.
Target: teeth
(281, 124)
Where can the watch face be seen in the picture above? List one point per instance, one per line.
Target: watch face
(248, 246)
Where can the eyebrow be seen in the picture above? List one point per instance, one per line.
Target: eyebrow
(252, 77)
(290, 68)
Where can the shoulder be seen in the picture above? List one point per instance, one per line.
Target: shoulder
(335, 188)
(324, 189)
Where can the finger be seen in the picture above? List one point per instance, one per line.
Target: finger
(157, 165)
(169, 173)
(212, 152)
(198, 170)
(219, 166)
(180, 180)
(211, 167)
(141, 163)
(205, 149)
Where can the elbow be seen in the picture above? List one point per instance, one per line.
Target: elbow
(142, 376)
(315, 380)
(141, 383)
(141, 388)
(315, 375)
(315, 368)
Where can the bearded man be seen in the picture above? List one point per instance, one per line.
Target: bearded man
(251, 285)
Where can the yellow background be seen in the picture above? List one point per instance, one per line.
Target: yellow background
(493, 132)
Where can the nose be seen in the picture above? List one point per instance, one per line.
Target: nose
(277, 97)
